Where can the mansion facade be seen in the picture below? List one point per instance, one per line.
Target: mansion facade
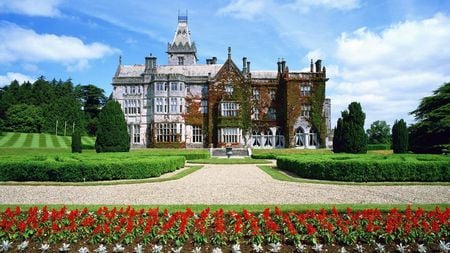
(192, 105)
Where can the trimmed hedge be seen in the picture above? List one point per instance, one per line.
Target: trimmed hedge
(360, 169)
(79, 168)
(378, 146)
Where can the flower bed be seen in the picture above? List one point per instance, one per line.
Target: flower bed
(130, 230)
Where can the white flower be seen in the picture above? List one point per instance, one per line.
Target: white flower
(380, 248)
(318, 247)
(44, 247)
(6, 245)
(177, 250)
(300, 247)
(101, 249)
(275, 247)
(217, 250)
(359, 248)
(22, 246)
(257, 248)
(83, 250)
(65, 247)
(421, 248)
(157, 248)
(444, 247)
(401, 248)
(139, 248)
(342, 250)
(197, 250)
(118, 248)
(236, 248)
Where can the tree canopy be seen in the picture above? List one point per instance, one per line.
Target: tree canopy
(379, 133)
(349, 134)
(431, 133)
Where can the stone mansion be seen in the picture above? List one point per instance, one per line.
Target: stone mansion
(187, 104)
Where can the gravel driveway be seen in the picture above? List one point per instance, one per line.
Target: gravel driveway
(223, 184)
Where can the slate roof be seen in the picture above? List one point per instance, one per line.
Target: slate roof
(187, 70)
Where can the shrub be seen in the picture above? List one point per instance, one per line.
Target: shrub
(360, 169)
(349, 134)
(76, 142)
(112, 133)
(400, 137)
(83, 168)
(378, 147)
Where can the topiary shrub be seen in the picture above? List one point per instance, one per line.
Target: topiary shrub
(112, 133)
(400, 137)
(76, 142)
(349, 135)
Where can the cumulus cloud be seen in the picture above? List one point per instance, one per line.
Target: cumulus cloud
(46, 8)
(21, 44)
(245, 9)
(11, 76)
(390, 71)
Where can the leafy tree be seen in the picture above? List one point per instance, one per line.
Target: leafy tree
(431, 133)
(379, 133)
(93, 99)
(400, 137)
(350, 136)
(76, 142)
(24, 118)
(112, 134)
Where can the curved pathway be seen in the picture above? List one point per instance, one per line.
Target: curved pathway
(223, 184)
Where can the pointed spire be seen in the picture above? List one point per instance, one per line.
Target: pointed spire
(229, 53)
(120, 60)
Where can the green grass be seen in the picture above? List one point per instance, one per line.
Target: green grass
(35, 140)
(179, 174)
(251, 208)
(229, 161)
(290, 177)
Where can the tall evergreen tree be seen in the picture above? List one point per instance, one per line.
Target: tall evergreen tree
(112, 133)
(351, 137)
(76, 142)
(400, 137)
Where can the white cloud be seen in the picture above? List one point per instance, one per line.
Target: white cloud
(305, 5)
(46, 8)
(245, 9)
(11, 76)
(20, 44)
(391, 71)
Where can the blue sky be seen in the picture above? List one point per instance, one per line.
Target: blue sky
(385, 54)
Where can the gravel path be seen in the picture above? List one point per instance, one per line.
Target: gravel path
(223, 184)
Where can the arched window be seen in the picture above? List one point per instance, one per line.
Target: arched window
(269, 138)
(313, 141)
(300, 137)
(279, 138)
(256, 139)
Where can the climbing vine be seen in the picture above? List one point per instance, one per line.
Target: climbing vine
(317, 118)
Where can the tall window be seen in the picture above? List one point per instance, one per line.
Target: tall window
(168, 132)
(159, 86)
(180, 60)
(136, 134)
(173, 105)
(255, 114)
(305, 90)
(229, 109)
(306, 110)
(272, 94)
(230, 135)
(173, 86)
(255, 94)
(132, 106)
(204, 106)
(229, 88)
(160, 105)
(197, 135)
(272, 114)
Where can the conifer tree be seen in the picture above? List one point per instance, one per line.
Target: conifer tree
(112, 134)
(350, 136)
(76, 142)
(400, 137)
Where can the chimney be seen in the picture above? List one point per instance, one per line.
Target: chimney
(208, 61)
(248, 67)
(283, 65)
(311, 66)
(214, 60)
(229, 53)
(324, 70)
(150, 63)
(279, 65)
(318, 65)
(244, 65)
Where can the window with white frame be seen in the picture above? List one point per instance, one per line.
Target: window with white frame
(136, 134)
(305, 90)
(181, 105)
(160, 86)
(197, 134)
(255, 114)
(173, 86)
(306, 110)
(132, 106)
(180, 60)
(168, 132)
(159, 105)
(255, 93)
(229, 88)
(230, 135)
(272, 94)
(204, 106)
(272, 114)
(173, 105)
(229, 109)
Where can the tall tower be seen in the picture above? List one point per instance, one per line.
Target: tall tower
(182, 50)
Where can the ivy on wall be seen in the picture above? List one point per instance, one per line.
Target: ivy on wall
(317, 118)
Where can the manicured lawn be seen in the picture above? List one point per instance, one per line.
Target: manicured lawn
(35, 140)
(229, 161)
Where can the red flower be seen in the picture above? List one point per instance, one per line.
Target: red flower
(310, 229)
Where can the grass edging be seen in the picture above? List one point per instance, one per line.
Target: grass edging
(283, 176)
(239, 207)
(180, 174)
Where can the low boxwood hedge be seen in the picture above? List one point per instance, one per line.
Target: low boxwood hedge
(86, 168)
(360, 169)
(378, 146)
